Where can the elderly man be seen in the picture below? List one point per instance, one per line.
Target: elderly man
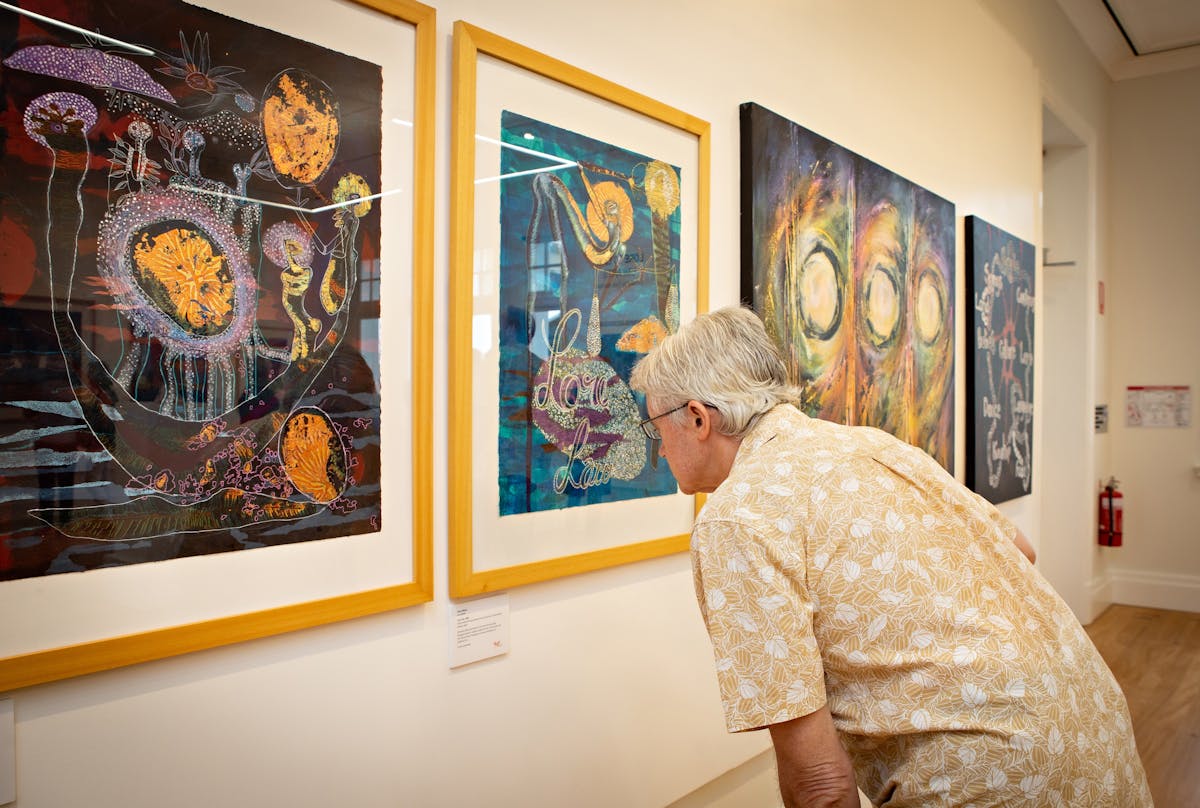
(871, 612)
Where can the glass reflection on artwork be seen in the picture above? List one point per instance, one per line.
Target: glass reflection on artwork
(851, 267)
(188, 363)
(589, 282)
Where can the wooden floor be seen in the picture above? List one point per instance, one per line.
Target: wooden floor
(1155, 655)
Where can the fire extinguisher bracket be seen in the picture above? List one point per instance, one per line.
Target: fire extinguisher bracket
(1111, 522)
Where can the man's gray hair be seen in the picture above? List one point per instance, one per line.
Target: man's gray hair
(724, 358)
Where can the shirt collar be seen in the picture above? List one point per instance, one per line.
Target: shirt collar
(768, 427)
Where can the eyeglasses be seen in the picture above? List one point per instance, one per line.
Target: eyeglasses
(651, 431)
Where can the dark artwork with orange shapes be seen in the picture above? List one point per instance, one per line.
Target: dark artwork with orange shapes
(186, 206)
(851, 267)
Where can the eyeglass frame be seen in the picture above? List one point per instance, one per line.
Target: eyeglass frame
(651, 431)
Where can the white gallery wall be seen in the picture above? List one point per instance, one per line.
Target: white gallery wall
(1155, 333)
(607, 697)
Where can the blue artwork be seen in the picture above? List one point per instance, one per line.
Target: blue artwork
(589, 282)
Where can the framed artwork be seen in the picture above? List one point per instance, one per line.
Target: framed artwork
(579, 216)
(215, 283)
(1000, 362)
(851, 267)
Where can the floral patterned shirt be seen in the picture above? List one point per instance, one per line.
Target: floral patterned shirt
(840, 565)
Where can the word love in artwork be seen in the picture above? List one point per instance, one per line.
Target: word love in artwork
(574, 394)
(572, 390)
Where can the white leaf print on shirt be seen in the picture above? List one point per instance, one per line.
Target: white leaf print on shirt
(1032, 785)
(923, 679)
(893, 597)
(747, 689)
(850, 486)
(1000, 622)
(724, 664)
(1021, 741)
(715, 599)
(772, 602)
(742, 490)
(819, 495)
(966, 754)
(766, 573)
(776, 647)
(746, 621)
(921, 638)
(884, 562)
(940, 784)
(783, 525)
(821, 560)
(851, 570)
(797, 692)
(920, 719)
(876, 627)
(1016, 689)
(845, 613)
(964, 655)
(966, 616)
(928, 521)
(1009, 652)
(737, 563)
(860, 528)
(973, 695)
(894, 522)
(997, 779)
(1054, 742)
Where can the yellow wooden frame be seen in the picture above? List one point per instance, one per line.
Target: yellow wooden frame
(54, 664)
(469, 42)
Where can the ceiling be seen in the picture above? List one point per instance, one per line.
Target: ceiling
(1133, 38)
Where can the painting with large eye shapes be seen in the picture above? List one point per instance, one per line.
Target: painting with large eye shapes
(851, 267)
(589, 282)
(1000, 362)
(187, 202)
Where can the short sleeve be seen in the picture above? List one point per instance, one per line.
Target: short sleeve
(760, 619)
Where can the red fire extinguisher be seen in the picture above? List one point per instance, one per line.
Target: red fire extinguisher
(1111, 507)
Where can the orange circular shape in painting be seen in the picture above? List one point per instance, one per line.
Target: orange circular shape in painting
(185, 275)
(301, 125)
(313, 455)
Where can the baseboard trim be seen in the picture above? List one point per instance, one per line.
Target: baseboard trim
(1100, 596)
(1156, 590)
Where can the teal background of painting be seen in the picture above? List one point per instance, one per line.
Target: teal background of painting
(527, 461)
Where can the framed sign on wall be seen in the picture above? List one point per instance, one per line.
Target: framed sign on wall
(216, 288)
(580, 215)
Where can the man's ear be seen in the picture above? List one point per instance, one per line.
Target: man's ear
(703, 418)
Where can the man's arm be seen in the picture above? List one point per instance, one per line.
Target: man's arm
(814, 769)
(1024, 546)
